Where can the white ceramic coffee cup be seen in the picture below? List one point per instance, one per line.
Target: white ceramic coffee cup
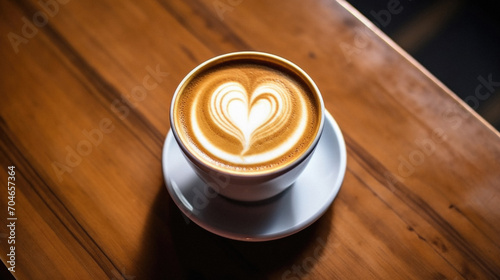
(237, 185)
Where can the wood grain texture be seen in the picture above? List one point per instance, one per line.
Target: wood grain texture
(420, 199)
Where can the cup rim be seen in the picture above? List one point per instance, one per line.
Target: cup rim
(248, 55)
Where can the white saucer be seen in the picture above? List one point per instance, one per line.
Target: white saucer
(287, 213)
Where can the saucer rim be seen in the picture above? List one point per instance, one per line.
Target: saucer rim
(329, 120)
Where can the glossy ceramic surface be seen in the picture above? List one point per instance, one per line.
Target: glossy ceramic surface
(289, 212)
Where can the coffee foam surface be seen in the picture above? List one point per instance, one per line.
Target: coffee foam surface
(247, 116)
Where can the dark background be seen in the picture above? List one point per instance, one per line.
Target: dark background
(456, 40)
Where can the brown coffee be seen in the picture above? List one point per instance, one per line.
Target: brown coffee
(247, 115)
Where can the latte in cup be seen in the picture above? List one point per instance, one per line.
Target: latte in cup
(247, 114)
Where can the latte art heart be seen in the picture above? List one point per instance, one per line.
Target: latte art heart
(248, 116)
(269, 114)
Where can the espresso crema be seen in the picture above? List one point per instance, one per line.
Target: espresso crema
(246, 115)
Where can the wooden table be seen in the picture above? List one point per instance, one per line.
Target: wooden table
(85, 94)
